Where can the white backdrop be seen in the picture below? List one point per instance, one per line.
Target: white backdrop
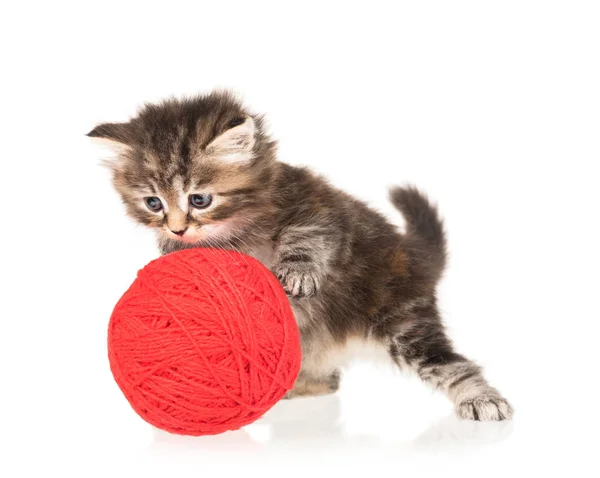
(490, 107)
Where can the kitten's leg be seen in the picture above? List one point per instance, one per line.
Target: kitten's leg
(308, 385)
(421, 344)
(319, 374)
(302, 258)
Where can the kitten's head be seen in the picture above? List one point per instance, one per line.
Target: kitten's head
(196, 170)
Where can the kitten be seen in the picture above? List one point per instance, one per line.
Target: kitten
(202, 172)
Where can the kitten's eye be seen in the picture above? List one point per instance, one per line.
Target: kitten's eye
(200, 201)
(153, 203)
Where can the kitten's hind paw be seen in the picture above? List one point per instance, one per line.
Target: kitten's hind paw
(484, 408)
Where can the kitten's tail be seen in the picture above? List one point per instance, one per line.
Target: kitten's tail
(425, 239)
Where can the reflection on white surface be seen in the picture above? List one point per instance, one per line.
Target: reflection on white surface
(316, 423)
(453, 432)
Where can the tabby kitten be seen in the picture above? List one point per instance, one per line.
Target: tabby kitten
(202, 172)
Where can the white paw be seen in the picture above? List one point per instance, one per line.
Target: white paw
(485, 408)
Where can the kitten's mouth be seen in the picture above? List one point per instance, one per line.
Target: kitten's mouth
(199, 235)
(188, 240)
(190, 236)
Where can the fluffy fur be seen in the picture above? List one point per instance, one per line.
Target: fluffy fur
(349, 273)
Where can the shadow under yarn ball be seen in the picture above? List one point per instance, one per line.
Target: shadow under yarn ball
(204, 341)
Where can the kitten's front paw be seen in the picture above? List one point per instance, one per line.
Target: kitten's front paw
(485, 408)
(305, 387)
(297, 279)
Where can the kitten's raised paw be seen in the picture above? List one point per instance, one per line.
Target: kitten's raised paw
(485, 409)
(297, 281)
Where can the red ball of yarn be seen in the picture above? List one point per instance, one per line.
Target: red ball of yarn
(203, 341)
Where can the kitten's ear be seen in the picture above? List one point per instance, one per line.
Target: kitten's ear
(235, 144)
(117, 136)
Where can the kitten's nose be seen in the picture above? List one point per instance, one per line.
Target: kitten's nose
(179, 233)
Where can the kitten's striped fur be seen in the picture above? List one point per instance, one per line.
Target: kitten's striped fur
(349, 273)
